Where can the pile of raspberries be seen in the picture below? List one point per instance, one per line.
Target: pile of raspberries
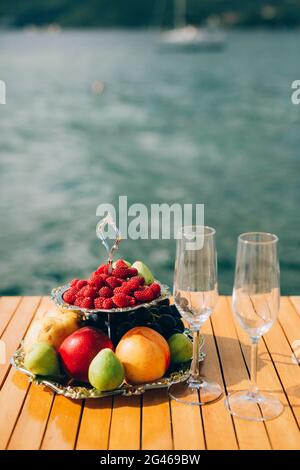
(122, 288)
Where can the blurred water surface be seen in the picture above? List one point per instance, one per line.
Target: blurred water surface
(212, 128)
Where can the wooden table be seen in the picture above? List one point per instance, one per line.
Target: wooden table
(33, 418)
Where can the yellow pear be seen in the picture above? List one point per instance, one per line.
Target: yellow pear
(53, 328)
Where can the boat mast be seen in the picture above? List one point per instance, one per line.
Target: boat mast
(180, 13)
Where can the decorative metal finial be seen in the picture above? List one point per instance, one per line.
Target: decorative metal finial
(103, 236)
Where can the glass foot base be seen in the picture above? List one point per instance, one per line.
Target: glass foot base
(195, 393)
(253, 406)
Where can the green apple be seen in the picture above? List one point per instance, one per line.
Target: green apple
(41, 359)
(181, 348)
(106, 371)
(144, 271)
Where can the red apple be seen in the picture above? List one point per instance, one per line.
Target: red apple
(79, 349)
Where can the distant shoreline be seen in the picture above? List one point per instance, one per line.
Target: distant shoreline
(134, 14)
(46, 29)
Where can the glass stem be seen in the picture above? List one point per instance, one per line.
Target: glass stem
(253, 381)
(195, 369)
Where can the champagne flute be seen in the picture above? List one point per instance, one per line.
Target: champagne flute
(195, 296)
(255, 302)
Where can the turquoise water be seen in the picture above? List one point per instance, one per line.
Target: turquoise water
(212, 128)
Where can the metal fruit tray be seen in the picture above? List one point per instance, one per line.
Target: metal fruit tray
(70, 389)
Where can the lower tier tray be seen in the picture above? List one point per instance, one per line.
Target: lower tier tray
(77, 391)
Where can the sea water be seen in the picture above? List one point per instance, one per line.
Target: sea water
(212, 128)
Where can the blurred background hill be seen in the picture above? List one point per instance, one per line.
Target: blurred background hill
(141, 13)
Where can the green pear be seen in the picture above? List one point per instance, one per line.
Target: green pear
(106, 371)
(41, 359)
(144, 271)
(181, 348)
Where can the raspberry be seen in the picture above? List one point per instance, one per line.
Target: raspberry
(74, 282)
(135, 282)
(121, 264)
(118, 290)
(155, 289)
(121, 273)
(144, 295)
(106, 292)
(99, 302)
(108, 304)
(121, 300)
(131, 300)
(78, 301)
(89, 291)
(73, 290)
(104, 276)
(132, 272)
(130, 286)
(81, 283)
(69, 296)
(103, 269)
(94, 276)
(113, 282)
(81, 292)
(96, 281)
(87, 302)
(125, 288)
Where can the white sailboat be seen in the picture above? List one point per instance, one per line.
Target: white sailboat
(189, 37)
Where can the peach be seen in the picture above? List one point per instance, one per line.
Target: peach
(145, 355)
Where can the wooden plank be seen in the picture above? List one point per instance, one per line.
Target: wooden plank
(188, 421)
(215, 416)
(125, 423)
(8, 306)
(28, 417)
(95, 425)
(63, 424)
(156, 422)
(291, 325)
(12, 396)
(188, 431)
(16, 330)
(30, 426)
(279, 342)
(290, 321)
(268, 381)
(296, 302)
(187, 427)
(250, 435)
(14, 391)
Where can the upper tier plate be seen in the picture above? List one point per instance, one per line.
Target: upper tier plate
(57, 297)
